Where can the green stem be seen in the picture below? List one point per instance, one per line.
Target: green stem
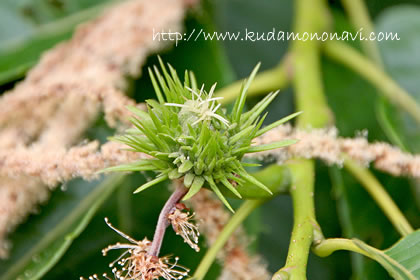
(341, 195)
(266, 81)
(330, 245)
(305, 226)
(351, 58)
(384, 119)
(307, 81)
(310, 17)
(243, 212)
(359, 17)
(382, 198)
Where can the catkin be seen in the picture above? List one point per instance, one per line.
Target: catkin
(60, 165)
(324, 144)
(46, 114)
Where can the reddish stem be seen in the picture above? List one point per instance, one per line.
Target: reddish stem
(163, 222)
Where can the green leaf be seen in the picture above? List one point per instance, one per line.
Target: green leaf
(242, 133)
(185, 166)
(249, 164)
(228, 185)
(188, 179)
(163, 84)
(240, 102)
(407, 253)
(253, 114)
(402, 260)
(155, 181)
(142, 165)
(174, 174)
(156, 86)
(344, 213)
(195, 187)
(46, 253)
(402, 62)
(267, 147)
(140, 113)
(18, 54)
(249, 178)
(275, 177)
(277, 123)
(219, 194)
(340, 87)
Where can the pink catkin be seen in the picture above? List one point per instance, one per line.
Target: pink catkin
(48, 112)
(60, 165)
(324, 144)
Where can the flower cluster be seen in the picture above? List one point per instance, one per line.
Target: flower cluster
(136, 264)
(180, 221)
(190, 137)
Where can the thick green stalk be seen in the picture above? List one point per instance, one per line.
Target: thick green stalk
(382, 198)
(304, 226)
(266, 81)
(310, 17)
(246, 208)
(351, 58)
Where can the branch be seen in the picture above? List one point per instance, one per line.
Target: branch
(237, 262)
(163, 221)
(266, 81)
(330, 245)
(243, 212)
(359, 17)
(305, 226)
(382, 198)
(349, 57)
(310, 17)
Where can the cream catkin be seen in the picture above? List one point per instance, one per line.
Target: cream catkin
(324, 144)
(84, 161)
(48, 112)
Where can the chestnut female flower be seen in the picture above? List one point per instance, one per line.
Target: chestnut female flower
(190, 137)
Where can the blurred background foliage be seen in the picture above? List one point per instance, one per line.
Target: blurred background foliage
(29, 27)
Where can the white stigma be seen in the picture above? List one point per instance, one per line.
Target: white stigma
(205, 108)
